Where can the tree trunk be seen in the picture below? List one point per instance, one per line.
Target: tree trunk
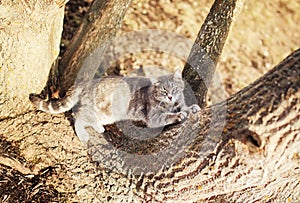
(200, 67)
(30, 36)
(245, 149)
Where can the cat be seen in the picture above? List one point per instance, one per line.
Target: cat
(157, 102)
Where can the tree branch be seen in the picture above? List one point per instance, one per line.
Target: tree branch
(87, 47)
(200, 67)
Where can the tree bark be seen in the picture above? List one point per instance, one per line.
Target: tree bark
(200, 67)
(29, 45)
(244, 149)
(88, 46)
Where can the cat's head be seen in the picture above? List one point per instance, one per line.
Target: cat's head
(169, 88)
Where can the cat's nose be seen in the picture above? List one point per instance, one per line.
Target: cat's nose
(170, 97)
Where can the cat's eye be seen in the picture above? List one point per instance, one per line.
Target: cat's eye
(164, 91)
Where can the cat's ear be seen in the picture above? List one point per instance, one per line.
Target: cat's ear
(154, 81)
(177, 74)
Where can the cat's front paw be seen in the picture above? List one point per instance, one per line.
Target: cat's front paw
(181, 116)
(195, 108)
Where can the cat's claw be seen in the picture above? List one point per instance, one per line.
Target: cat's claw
(99, 128)
(182, 116)
(195, 108)
(80, 130)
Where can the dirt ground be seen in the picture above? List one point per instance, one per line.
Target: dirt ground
(264, 33)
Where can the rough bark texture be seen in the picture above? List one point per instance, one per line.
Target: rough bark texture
(200, 67)
(85, 53)
(245, 149)
(30, 35)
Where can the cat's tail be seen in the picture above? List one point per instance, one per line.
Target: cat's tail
(58, 105)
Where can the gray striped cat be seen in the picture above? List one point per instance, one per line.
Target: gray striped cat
(157, 102)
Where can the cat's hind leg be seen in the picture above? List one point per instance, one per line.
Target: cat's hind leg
(97, 126)
(81, 132)
(80, 128)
